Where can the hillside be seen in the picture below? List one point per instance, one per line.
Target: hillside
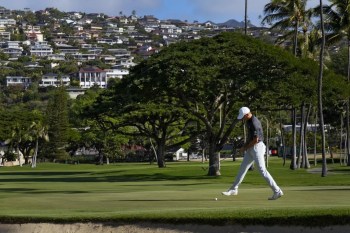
(232, 23)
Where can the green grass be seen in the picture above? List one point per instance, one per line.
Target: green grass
(179, 193)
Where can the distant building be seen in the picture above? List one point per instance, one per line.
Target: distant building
(84, 56)
(7, 21)
(33, 33)
(4, 13)
(67, 49)
(309, 127)
(5, 36)
(55, 80)
(116, 73)
(18, 80)
(56, 57)
(13, 49)
(41, 49)
(91, 76)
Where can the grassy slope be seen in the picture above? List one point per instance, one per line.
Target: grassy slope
(179, 193)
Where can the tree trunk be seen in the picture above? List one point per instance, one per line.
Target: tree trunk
(306, 163)
(319, 91)
(160, 154)
(203, 155)
(315, 139)
(293, 164)
(35, 154)
(348, 131)
(282, 145)
(214, 160)
(100, 158)
(26, 156)
(19, 157)
(301, 135)
(295, 47)
(347, 112)
(343, 142)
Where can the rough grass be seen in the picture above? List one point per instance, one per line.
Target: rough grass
(179, 193)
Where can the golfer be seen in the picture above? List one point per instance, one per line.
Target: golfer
(254, 150)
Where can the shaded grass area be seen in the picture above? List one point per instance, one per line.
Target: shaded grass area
(179, 193)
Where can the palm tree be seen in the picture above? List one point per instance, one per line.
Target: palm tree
(290, 16)
(319, 92)
(338, 26)
(38, 130)
(311, 44)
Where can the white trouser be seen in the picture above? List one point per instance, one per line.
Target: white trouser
(256, 154)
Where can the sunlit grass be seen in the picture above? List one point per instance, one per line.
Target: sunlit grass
(181, 192)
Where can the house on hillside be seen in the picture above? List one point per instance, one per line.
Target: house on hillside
(41, 49)
(55, 80)
(116, 73)
(33, 33)
(19, 81)
(12, 48)
(91, 76)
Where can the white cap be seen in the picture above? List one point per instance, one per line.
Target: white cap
(243, 111)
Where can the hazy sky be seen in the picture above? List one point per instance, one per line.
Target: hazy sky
(217, 11)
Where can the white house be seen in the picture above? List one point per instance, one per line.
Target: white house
(116, 73)
(33, 33)
(56, 57)
(41, 49)
(13, 49)
(91, 76)
(4, 21)
(84, 56)
(18, 80)
(177, 153)
(5, 36)
(55, 80)
(4, 162)
(180, 154)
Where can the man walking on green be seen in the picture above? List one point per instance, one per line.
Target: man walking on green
(254, 150)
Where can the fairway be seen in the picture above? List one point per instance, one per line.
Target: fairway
(179, 193)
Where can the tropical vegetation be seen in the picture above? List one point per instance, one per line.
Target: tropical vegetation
(188, 94)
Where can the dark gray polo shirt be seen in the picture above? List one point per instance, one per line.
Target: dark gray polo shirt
(254, 129)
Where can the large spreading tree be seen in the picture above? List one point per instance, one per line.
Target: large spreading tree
(212, 77)
(197, 87)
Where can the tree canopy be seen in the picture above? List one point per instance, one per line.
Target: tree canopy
(210, 79)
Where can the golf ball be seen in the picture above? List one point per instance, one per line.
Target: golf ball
(216, 198)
